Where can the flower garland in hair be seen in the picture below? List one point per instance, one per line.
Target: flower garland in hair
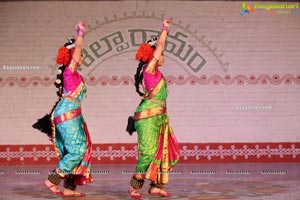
(144, 53)
(63, 56)
(146, 50)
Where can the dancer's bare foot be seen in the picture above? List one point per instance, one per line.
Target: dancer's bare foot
(52, 187)
(72, 193)
(134, 193)
(158, 191)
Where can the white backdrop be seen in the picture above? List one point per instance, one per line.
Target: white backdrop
(231, 78)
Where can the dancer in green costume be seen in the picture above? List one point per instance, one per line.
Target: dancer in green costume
(158, 147)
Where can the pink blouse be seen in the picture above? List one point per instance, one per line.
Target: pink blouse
(151, 80)
(151, 74)
(71, 80)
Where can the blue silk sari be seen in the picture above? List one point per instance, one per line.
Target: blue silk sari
(71, 137)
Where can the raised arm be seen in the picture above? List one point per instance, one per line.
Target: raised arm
(162, 39)
(152, 66)
(79, 35)
(71, 77)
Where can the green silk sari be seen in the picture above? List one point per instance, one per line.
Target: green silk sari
(158, 147)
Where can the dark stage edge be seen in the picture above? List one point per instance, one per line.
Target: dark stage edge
(253, 181)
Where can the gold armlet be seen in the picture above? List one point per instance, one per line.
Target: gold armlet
(73, 65)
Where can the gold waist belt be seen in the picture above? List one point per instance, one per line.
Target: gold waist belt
(150, 113)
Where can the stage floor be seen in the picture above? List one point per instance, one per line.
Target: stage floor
(264, 181)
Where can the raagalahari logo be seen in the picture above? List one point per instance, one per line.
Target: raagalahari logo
(271, 8)
(246, 9)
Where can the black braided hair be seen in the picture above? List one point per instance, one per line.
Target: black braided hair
(59, 82)
(138, 78)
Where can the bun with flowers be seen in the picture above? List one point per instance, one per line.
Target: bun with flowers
(146, 50)
(64, 54)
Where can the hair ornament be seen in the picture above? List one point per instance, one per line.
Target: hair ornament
(152, 42)
(70, 43)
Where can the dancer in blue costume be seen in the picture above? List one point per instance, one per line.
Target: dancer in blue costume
(70, 135)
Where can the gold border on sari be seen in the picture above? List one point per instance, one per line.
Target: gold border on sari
(156, 89)
(71, 99)
(150, 113)
(73, 65)
(159, 172)
(67, 116)
(76, 92)
(53, 135)
(165, 130)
